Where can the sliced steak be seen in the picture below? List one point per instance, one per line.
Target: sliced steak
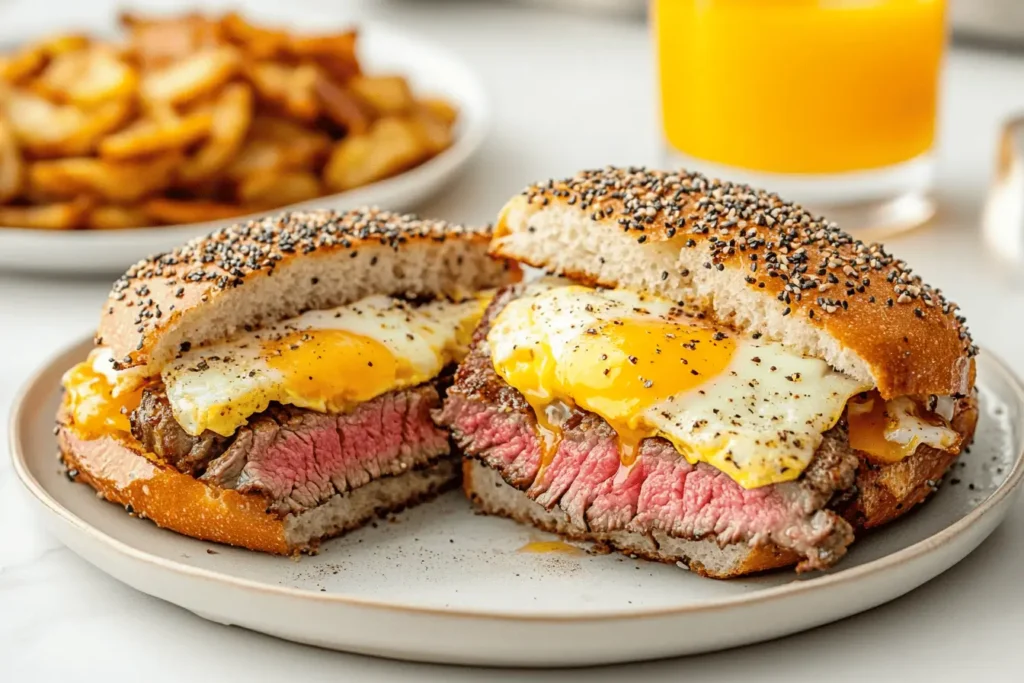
(661, 491)
(298, 458)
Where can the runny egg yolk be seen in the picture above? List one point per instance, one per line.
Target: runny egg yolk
(335, 368)
(870, 419)
(94, 408)
(616, 370)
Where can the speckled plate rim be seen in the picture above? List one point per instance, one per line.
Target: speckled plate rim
(39, 387)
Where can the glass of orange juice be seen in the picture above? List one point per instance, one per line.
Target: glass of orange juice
(831, 103)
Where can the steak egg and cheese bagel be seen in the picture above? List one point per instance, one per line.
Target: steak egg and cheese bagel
(711, 377)
(272, 384)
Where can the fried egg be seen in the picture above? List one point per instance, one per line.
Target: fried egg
(324, 360)
(755, 410)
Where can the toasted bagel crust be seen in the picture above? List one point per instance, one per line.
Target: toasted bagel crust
(120, 471)
(751, 260)
(276, 267)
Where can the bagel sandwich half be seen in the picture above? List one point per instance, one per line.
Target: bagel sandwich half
(712, 377)
(271, 385)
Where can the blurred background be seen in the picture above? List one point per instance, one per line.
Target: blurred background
(858, 108)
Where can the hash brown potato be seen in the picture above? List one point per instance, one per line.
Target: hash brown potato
(193, 118)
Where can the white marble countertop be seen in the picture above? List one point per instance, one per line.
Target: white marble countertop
(567, 93)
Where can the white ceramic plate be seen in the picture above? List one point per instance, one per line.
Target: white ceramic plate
(441, 584)
(430, 69)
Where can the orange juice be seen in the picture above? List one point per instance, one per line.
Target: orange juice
(800, 86)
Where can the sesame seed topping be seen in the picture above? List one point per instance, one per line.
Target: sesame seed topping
(227, 257)
(768, 235)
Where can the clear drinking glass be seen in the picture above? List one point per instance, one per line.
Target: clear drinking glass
(831, 103)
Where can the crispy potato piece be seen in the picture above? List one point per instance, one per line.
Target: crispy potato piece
(45, 129)
(174, 212)
(256, 155)
(157, 42)
(340, 45)
(147, 137)
(261, 155)
(277, 144)
(64, 42)
(61, 216)
(115, 217)
(19, 67)
(281, 129)
(231, 116)
(341, 70)
(351, 164)
(340, 106)
(158, 110)
(386, 94)
(441, 109)
(121, 182)
(260, 43)
(271, 189)
(192, 77)
(12, 168)
(335, 54)
(29, 61)
(292, 89)
(86, 77)
(392, 145)
(434, 133)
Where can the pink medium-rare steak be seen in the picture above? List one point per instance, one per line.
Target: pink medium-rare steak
(298, 458)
